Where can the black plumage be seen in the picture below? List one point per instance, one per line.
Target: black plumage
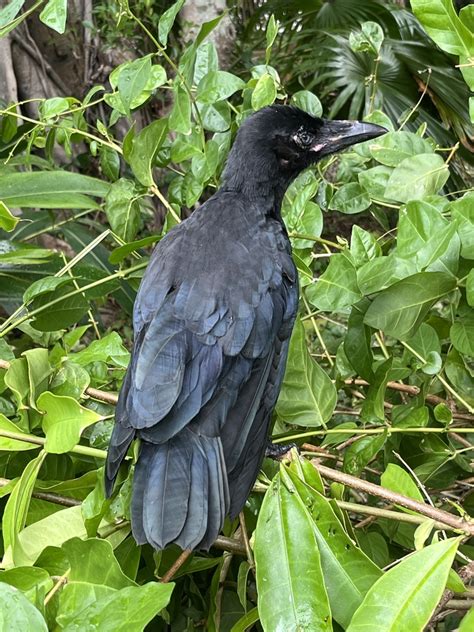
(212, 322)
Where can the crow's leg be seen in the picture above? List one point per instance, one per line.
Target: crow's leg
(278, 450)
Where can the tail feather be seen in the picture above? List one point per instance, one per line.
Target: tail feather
(180, 492)
(120, 441)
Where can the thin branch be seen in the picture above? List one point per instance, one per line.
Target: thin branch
(438, 515)
(174, 568)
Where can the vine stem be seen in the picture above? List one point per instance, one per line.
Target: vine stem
(439, 515)
(117, 275)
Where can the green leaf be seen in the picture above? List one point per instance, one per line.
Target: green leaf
(364, 246)
(60, 315)
(109, 162)
(417, 177)
(133, 79)
(462, 335)
(291, 591)
(400, 309)
(9, 12)
(47, 532)
(130, 608)
(13, 445)
(109, 348)
(166, 21)
(463, 213)
(93, 561)
(443, 24)
(54, 15)
(470, 288)
(368, 39)
(16, 509)
(245, 623)
(270, 35)
(337, 287)
(357, 342)
(415, 587)
(375, 180)
(145, 146)
(400, 481)
(180, 117)
(217, 85)
(307, 396)
(350, 198)
(33, 582)
(119, 254)
(51, 189)
(307, 101)
(63, 422)
(215, 117)
(44, 286)
(122, 208)
(7, 220)
(50, 108)
(264, 92)
(378, 274)
(427, 239)
(361, 452)
(390, 149)
(467, 624)
(348, 572)
(17, 613)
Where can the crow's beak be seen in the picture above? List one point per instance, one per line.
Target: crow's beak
(337, 135)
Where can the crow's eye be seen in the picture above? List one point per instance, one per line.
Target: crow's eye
(304, 139)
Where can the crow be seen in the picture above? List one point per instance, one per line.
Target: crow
(212, 323)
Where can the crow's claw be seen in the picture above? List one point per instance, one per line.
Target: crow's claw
(278, 450)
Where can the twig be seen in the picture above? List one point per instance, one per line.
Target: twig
(174, 568)
(245, 539)
(61, 581)
(222, 576)
(438, 515)
(466, 573)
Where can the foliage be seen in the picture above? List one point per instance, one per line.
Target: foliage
(380, 373)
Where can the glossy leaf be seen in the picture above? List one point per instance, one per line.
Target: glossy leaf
(264, 92)
(51, 189)
(7, 220)
(415, 587)
(336, 287)
(144, 149)
(64, 420)
(308, 396)
(416, 177)
(17, 613)
(350, 198)
(54, 15)
(400, 309)
(291, 590)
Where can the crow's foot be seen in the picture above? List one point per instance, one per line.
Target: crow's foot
(278, 450)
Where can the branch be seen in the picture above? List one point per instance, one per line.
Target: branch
(439, 515)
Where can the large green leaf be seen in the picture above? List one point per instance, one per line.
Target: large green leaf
(336, 287)
(63, 422)
(130, 608)
(390, 149)
(51, 189)
(144, 149)
(406, 596)
(308, 396)
(348, 572)
(443, 24)
(16, 510)
(93, 561)
(400, 309)
(218, 85)
(291, 592)
(416, 177)
(17, 613)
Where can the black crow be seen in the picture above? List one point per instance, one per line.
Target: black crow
(212, 322)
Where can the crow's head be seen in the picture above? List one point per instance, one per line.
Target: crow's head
(274, 144)
(298, 139)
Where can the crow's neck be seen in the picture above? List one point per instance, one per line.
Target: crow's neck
(256, 177)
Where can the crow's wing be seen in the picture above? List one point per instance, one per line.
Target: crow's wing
(208, 338)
